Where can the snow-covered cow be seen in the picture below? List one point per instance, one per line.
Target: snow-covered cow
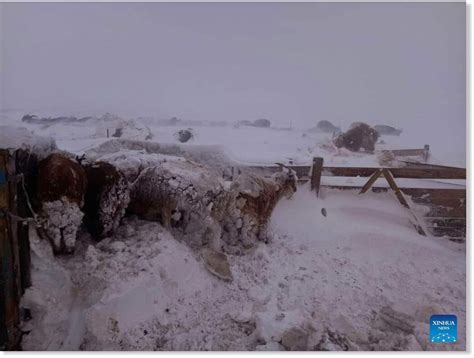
(360, 135)
(107, 197)
(256, 197)
(60, 192)
(185, 197)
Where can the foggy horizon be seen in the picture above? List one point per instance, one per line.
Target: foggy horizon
(398, 64)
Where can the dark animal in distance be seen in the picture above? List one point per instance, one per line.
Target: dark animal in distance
(262, 123)
(184, 135)
(361, 136)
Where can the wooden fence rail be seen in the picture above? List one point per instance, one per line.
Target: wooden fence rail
(435, 172)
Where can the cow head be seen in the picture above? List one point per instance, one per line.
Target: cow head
(286, 178)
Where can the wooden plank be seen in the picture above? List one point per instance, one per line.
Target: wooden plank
(371, 181)
(355, 188)
(407, 173)
(427, 152)
(388, 176)
(9, 302)
(13, 193)
(435, 193)
(407, 152)
(316, 174)
(443, 211)
(446, 222)
(434, 201)
(428, 166)
(447, 231)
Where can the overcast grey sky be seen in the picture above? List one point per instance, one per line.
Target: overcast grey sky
(399, 63)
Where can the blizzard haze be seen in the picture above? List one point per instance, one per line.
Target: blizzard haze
(401, 63)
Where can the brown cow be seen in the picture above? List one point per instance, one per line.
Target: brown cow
(61, 189)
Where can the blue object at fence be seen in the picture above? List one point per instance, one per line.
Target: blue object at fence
(3, 177)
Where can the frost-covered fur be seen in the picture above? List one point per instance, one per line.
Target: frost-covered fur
(106, 199)
(359, 136)
(206, 210)
(59, 221)
(213, 156)
(61, 188)
(255, 200)
(184, 196)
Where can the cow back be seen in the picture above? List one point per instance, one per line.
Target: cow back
(59, 176)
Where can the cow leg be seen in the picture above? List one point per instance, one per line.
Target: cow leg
(166, 217)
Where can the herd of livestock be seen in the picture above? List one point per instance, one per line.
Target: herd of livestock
(200, 205)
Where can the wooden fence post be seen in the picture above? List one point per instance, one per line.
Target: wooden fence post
(316, 172)
(427, 152)
(9, 265)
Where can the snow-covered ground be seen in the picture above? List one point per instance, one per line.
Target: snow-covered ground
(343, 271)
(334, 276)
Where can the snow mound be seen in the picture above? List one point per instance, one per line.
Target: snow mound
(132, 130)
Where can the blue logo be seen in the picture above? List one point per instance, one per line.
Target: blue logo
(443, 328)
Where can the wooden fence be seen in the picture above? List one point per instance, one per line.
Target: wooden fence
(446, 213)
(14, 252)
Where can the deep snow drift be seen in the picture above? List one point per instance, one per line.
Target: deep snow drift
(371, 283)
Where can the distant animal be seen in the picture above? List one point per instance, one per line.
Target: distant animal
(262, 123)
(325, 127)
(244, 122)
(387, 130)
(61, 189)
(34, 119)
(360, 136)
(184, 135)
(257, 198)
(107, 197)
